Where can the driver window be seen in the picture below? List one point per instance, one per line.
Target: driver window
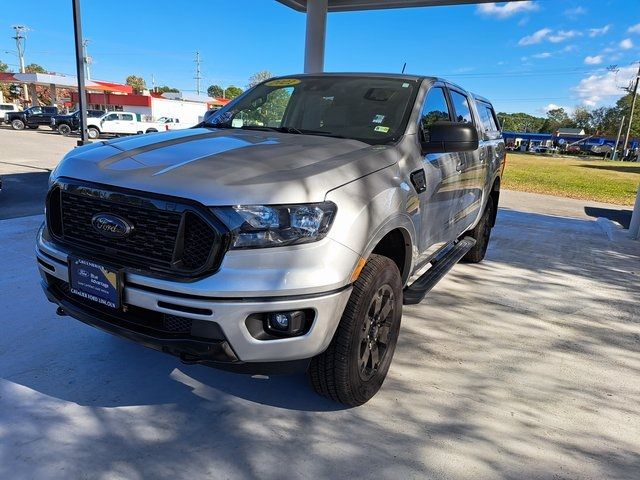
(266, 111)
(435, 109)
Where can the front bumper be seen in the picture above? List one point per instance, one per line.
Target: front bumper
(233, 347)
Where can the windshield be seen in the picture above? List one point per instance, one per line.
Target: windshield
(370, 109)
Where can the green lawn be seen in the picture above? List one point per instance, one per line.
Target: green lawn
(597, 180)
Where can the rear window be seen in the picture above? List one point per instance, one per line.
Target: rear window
(487, 117)
(7, 107)
(461, 106)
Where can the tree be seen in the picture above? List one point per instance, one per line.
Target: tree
(232, 92)
(581, 117)
(137, 83)
(34, 68)
(259, 77)
(3, 66)
(520, 122)
(623, 107)
(165, 89)
(215, 91)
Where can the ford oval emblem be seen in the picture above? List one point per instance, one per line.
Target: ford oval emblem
(112, 226)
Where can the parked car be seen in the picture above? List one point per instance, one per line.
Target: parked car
(65, 124)
(120, 123)
(287, 232)
(32, 117)
(6, 108)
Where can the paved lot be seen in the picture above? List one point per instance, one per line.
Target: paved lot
(525, 366)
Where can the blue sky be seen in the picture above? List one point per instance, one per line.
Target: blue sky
(525, 56)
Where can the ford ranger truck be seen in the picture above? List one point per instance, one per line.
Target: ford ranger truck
(284, 233)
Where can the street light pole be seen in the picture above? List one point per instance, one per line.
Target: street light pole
(77, 29)
(633, 107)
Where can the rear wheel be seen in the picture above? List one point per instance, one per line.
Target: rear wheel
(354, 366)
(93, 133)
(17, 124)
(64, 129)
(481, 234)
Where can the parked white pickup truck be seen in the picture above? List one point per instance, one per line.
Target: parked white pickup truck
(121, 123)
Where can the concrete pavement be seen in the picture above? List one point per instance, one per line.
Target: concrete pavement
(525, 366)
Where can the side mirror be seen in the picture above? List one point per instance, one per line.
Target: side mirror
(449, 137)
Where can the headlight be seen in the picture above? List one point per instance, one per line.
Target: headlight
(260, 226)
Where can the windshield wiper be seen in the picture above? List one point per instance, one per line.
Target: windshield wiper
(292, 130)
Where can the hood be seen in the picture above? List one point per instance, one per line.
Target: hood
(227, 167)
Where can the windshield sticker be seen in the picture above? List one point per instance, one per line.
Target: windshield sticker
(237, 123)
(405, 85)
(382, 129)
(283, 82)
(378, 119)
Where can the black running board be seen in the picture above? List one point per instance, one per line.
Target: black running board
(414, 293)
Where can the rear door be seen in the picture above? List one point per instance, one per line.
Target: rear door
(438, 203)
(471, 169)
(128, 123)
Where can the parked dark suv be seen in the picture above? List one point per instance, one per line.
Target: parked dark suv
(65, 124)
(31, 117)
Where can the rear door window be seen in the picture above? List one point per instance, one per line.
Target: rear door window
(127, 117)
(461, 107)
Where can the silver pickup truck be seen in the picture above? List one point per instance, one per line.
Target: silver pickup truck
(284, 233)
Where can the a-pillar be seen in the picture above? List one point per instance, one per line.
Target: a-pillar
(316, 36)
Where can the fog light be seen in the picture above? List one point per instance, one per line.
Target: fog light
(286, 323)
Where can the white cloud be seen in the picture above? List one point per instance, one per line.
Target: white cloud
(546, 34)
(604, 85)
(626, 44)
(634, 28)
(506, 10)
(562, 35)
(596, 32)
(573, 12)
(593, 60)
(542, 55)
(536, 37)
(552, 106)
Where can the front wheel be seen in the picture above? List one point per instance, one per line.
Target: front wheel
(93, 133)
(354, 366)
(17, 124)
(64, 129)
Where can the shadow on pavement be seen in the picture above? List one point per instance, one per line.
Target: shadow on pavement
(23, 194)
(524, 366)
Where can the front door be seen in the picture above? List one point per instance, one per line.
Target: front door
(438, 203)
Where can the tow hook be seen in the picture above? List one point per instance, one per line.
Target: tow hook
(60, 312)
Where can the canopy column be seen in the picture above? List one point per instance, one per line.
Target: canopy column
(316, 36)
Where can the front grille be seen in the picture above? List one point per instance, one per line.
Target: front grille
(174, 323)
(167, 236)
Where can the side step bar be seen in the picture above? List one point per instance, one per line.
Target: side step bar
(414, 293)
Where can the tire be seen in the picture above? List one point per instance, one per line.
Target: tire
(32, 127)
(151, 130)
(17, 124)
(93, 133)
(347, 372)
(64, 129)
(481, 233)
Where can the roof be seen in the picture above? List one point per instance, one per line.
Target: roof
(351, 5)
(63, 81)
(570, 131)
(398, 76)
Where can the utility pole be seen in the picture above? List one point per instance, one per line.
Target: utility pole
(82, 99)
(633, 107)
(198, 77)
(87, 59)
(153, 83)
(20, 39)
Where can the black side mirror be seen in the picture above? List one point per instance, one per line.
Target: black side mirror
(448, 137)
